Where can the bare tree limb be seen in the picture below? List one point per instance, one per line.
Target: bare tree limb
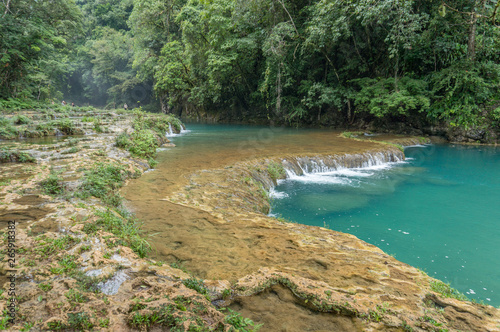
(290, 16)
(6, 8)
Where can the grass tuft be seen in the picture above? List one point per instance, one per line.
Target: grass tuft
(126, 229)
(447, 291)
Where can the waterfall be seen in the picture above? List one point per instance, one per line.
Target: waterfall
(297, 166)
(170, 132)
(333, 169)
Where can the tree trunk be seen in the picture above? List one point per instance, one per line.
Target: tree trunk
(164, 105)
(396, 69)
(278, 91)
(471, 45)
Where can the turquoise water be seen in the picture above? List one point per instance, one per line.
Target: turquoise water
(439, 211)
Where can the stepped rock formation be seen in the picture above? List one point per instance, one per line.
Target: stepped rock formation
(208, 216)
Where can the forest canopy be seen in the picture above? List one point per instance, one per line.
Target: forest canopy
(335, 62)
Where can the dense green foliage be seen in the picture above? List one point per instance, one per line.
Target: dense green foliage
(36, 38)
(315, 62)
(298, 61)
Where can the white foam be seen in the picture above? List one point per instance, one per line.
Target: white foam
(416, 146)
(351, 172)
(171, 133)
(320, 178)
(277, 194)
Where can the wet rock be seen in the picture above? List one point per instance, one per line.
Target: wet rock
(111, 286)
(81, 215)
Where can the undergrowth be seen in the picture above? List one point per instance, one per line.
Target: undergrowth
(53, 184)
(9, 156)
(103, 181)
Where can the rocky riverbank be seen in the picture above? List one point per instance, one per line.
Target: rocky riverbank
(82, 261)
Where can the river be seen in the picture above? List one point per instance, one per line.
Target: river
(438, 210)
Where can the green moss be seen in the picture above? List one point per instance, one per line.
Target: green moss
(398, 146)
(72, 150)
(308, 299)
(354, 134)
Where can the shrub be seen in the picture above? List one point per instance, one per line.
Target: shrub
(44, 129)
(72, 141)
(53, 185)
(66, 126)
(72, 150)
(141, 143)
(21, 119)
(380, 97)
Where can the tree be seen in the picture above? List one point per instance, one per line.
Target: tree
(35, 39)
(472, 12)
